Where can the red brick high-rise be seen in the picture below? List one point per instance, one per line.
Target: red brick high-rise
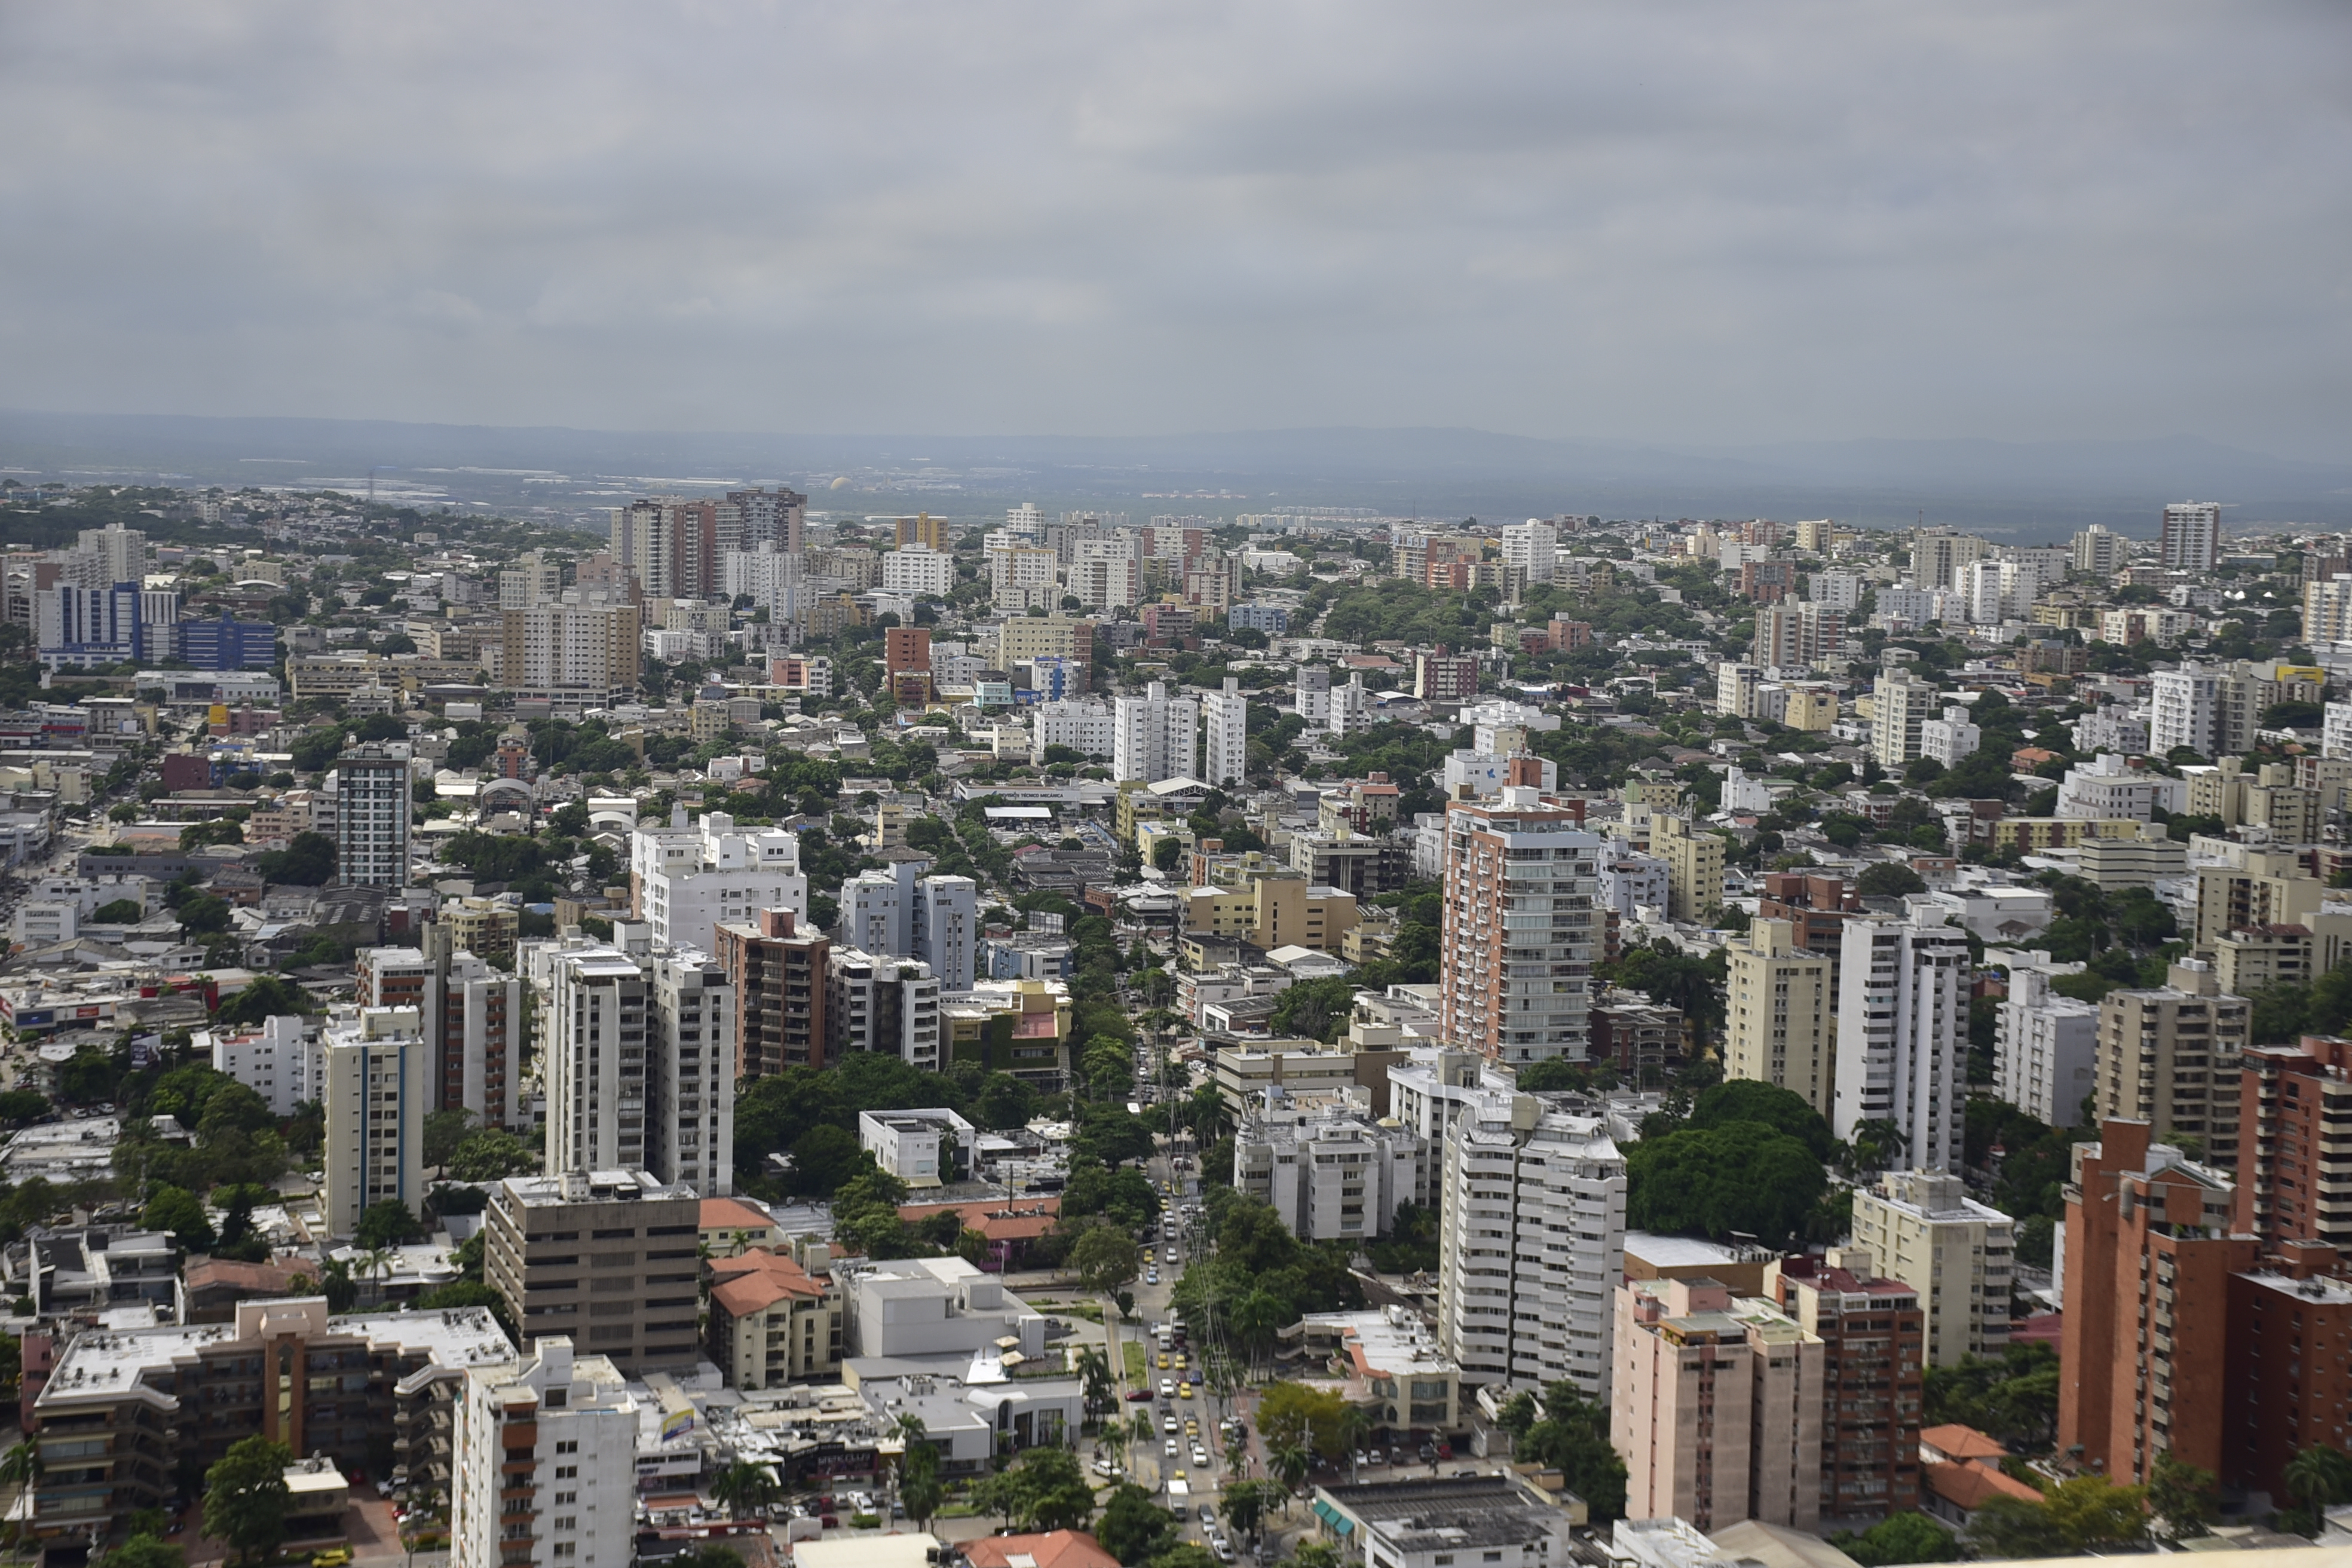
(778, 975)
(2289, 1386)
(2150, 1255)
(2294, 1135)
(1873, 1372)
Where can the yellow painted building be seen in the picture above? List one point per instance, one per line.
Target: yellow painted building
(1020, 1026)
(1276, 909)
(1694, 857)
(1810, 709)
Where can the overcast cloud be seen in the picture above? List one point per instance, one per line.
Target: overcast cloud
(1681, 223)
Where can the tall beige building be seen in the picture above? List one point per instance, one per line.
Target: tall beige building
(379, 1087)
(1923, 1228)
(2270, 889)
(1694, 857)
(584, 646)
(1900, 703)
(1940, 559)
(1716, 1406)
(2170, 1057)
(1780, 1029)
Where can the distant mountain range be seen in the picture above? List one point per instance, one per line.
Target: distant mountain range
(2026, 490)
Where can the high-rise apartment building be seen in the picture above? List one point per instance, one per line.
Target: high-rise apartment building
(1873, 1362)
(370, 787)
(877, 1003)
(472, 1015)
(691, 1109)
(2284, 1392)
(2266, 888)
(923, 529)
(1153, 736)
(1900, 703)
(1532, 546)
(1105, 573)
(1224, 724)
(2328, 609)
(531, 580)
(2045, 1049)
(1022, 577)
(2145, 1335)
(1531, 1246)
(918, 570)
(1737, 688)
(2294, 1126)
(1439, 675)
(1695, 858)
(1791, 637)
(557, 1434)
(2099, 554)
(2170, 1057)
(2192, 539)
(1780, 1027)
(595, 1059)
(121, 552)
(579, 650)
(779, 972)
(82, 627)
(1084, 724)
(746, 520)
(685, 881)
(1522, 928)
(1939, 558)
(605, 1256)
(1716, 1406)
(379, 1088)
(1311, 697)
(2215, 710)
(894, 913)
(1903, 1007)
(1923, 1228)
(669, 545)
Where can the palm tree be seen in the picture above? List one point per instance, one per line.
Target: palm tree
(2318, 1477)
(1354, 1427)
(911, 1433)
(744, 1486)
(1288, 1459)
(20, 1467)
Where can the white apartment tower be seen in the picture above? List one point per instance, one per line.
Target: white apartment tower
(594, 1060)
(893, 913)
(2100, 554)
(1923, 1228)
(2192, 541)
(560, 1434)
(1531, 544)
(877, 1003)
(1152, 738)
(1082, 724)
(379, 1087)
(2045, 1052)
(1312, 700)
(1351, 707)
(1903, 1007)
(1901, 704)
(1225, 722)
(1531, 1246)
(692, 1109)
(688, 880)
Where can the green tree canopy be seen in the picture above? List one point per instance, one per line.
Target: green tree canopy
(1742, 1176)
(247, 1499)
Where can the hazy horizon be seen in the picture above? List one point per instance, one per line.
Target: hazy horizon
(1717, 228)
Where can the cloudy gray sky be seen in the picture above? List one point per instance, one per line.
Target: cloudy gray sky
(1686, 223)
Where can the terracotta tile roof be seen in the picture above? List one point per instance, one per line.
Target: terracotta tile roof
(1059, 1549)
(1962, 1443)
(726, 1213)
(758, 1280)
(998, 1219)
(1970, 1487)
(248, 1278)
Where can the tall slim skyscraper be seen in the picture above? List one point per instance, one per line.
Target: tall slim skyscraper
(1313, 698)
(1903, 1007)
(670, 545)
(1224, 719)
(1531, 545)
(378, 1090)
(691, 1116)
(2192, 536)
(371, 792)
(1153, 736)
(595, 1060)
(1517, 984)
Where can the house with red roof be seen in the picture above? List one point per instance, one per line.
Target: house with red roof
(1054, 1548)
(771, 1322)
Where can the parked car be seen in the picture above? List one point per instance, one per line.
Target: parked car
(1169, 1447)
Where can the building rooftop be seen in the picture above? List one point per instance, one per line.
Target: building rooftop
(592, 1186)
